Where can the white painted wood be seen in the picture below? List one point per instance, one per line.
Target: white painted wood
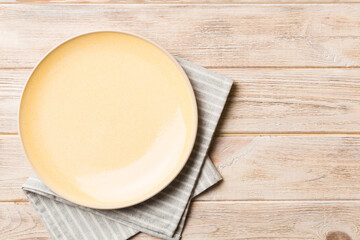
(287, 168)
(211, 35)
(227, 220)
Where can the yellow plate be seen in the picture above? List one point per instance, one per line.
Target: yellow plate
(108, 119)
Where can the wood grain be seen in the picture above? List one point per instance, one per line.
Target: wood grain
(254, 168)
(210, 35)
(226, 220)
(261, 101)
(20, 221)
(292, 100)
(14, 169)
(287, 167)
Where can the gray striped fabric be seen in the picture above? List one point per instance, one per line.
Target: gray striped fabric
(164, 214)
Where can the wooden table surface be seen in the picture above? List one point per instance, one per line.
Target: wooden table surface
(288, 145)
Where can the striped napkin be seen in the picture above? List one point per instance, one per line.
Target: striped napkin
(164, 214)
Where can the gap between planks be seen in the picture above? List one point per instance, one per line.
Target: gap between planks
(284, 134)
(235, 67)
(259, 134)
(243, 201)
(173, 3)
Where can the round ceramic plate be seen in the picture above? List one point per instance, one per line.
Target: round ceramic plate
(108, 119)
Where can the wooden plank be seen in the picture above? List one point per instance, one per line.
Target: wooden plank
(227, 220)
(292, 100)
(287, 167)
(11, 84)
(211, 35)
(272, 220)
(19, 221)
(254, 168)
(14, 169)
(261, 101)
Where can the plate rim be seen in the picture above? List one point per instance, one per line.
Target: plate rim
(194, 104)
